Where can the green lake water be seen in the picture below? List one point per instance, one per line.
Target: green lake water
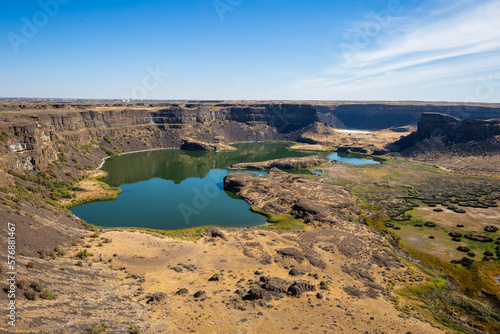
(175, 189)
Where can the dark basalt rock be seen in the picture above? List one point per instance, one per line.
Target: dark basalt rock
(478, 237)
(323, 285)
(296, 272)
(274, 284)
(438, 210)
(457, 239)
(466, 262)
(471, 254)
(156, 298)
(291, 252)
(463, 249)
(460, 225)
(198, 294)
(256, 294)
(216, 233)
(418, 225)
(459, 211)
(455, 234)
(182, 292)
(299, 287)
(491, 228)
(430, 224)
(389, 225)
(214, 278)
(488, 253)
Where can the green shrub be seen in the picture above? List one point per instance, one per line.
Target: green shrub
(4, 136)
(83, 254)
(47, 295)
(96, 328)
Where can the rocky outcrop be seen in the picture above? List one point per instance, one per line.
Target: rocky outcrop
(191, 144)
(439, 131)
(284, 117)
(298, 195)
(285, 163)
(376, 116)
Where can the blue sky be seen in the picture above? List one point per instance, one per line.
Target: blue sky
(251, 49)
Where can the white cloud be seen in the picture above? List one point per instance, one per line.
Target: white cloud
(454, 45)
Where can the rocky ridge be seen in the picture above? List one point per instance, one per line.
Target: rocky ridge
(279, 192)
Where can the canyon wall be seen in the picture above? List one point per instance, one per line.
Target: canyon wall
(445, 132)
(373, 116)
(33, 133)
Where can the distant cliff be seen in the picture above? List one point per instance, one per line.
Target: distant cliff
(376, 116)
(436, 130)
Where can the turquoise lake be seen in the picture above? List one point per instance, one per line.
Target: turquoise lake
(176, 189)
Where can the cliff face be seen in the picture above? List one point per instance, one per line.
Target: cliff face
(435, 128)
(384, 115)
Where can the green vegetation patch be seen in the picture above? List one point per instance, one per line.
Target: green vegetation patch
(280, 222)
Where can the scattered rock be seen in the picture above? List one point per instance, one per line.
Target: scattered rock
(457, 239)
(471, 254)
(430, 224)
(319, 295)
(438, 210)
(323, 285)
(455, 234)
(216, 233)
(490, 228)
(466, 262)
(199, 293)
(274, 284)
(182, 292)
(459, 211)
(256, 294)
(156, 298)
(431, 237)
(478, 237)
(291, 252)
(299, 287)
(296, 272)
(488, 253)
(463, 249)
(214, 278)
(460, 225)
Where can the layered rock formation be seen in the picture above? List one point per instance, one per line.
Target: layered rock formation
(376, 116)
(30, 131)
(298, 195)
(437, 130)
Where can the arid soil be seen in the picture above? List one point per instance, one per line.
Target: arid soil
(138, 278)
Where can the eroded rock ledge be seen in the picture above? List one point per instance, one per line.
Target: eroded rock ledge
(298, 195)
(191, 144)
(285, 163)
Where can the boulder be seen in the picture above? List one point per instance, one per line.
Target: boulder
(299, 287)
(478, 237)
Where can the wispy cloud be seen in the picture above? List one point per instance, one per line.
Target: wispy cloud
(444, 46)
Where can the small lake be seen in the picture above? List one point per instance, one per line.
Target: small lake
(176, 189)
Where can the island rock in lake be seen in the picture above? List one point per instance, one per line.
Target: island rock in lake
(191, 144)
(285, 163)
(298, 195)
